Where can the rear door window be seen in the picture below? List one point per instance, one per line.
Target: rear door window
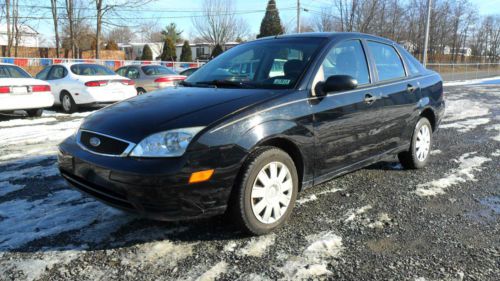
(58, 72)
(346, 58)
(132, 73)
(387, 61)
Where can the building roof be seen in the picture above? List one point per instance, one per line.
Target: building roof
(23, 28)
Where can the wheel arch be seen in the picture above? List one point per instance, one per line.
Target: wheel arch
(431, 116)
(62, 92)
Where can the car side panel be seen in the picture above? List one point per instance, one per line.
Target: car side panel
(288, 117)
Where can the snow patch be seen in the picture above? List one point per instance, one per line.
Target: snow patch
(465, 172)
(382, 220)
(214, 272)
(470, 82)
(314, 197)
(314, 260)
(464, 109)
(24, 221)
(465, 125)
(35, 267)
(304, 200)
(257, 246)
(6, 188)
(496, 153)
(436, 152)
(163, 253)
(353, 213)
(495, 127)
(229, 247)
(26, 122)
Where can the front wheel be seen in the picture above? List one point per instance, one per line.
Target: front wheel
(266, 192)
(420, 147)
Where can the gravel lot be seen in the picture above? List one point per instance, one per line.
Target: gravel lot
(382, 222)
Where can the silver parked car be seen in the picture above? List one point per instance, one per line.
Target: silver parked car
(148, 78)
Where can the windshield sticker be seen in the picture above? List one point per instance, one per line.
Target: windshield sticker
(281, 81)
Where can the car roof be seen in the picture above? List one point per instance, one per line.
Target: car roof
(329, 35)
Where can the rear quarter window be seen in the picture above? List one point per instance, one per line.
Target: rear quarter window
(414, 66)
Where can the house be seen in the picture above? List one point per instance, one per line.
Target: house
(133, 51)
(466, 52)
(202, 50)
(28, 37)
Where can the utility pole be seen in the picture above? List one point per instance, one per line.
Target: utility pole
(427, 26)
(298, 16)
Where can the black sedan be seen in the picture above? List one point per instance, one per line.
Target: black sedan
(249, 130)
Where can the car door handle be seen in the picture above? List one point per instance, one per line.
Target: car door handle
(369, 99)
(411, 88)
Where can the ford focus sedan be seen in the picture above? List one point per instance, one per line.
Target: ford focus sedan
(257, 125)
(77, 84)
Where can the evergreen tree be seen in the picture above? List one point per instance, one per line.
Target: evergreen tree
(168, 53)
(271, 23)
(186, 54)
(217, 51)
(147, 54)
(111, 45)
(172, 32)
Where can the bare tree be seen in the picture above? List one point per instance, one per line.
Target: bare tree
(218, 23)
(150, 31)
(105, 7)
(121, 34)
(53, 6)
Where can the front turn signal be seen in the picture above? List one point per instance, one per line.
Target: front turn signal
(201, 176)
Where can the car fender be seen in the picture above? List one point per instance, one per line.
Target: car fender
(262, 132)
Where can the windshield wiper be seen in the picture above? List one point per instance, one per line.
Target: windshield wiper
(225, 83)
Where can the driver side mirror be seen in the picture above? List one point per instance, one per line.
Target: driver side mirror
(336, 83)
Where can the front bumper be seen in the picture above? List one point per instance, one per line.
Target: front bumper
(153, 188)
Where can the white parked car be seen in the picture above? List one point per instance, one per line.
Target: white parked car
(20, 91)
(75, 84)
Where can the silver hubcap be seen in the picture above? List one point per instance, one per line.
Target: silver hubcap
(272, 192)
(423, 143)
(66, 103)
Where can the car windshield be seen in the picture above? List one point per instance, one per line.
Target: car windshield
(157, 70)
(269, 64)
(90, 70)
(10, 71)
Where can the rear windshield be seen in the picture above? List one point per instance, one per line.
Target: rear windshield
(10, 71)
(157, 70)
(90, 70)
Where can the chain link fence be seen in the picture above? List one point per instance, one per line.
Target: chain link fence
(465, 71)
(34, 65)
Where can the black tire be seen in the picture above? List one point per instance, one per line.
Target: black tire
(72, 106)
(141, 91)
(241, 204)
(34, 112)
(409, 159)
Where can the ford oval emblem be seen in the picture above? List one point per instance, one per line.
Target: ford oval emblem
(95, 142)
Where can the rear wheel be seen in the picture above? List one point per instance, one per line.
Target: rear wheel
(68, 104)
(420, 147)
(34, 112)
(265, 194)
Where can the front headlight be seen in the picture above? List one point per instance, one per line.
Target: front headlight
(171, 143)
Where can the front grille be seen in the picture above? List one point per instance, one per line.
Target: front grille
(104, 145)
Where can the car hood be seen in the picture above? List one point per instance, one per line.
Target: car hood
(181, 107)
